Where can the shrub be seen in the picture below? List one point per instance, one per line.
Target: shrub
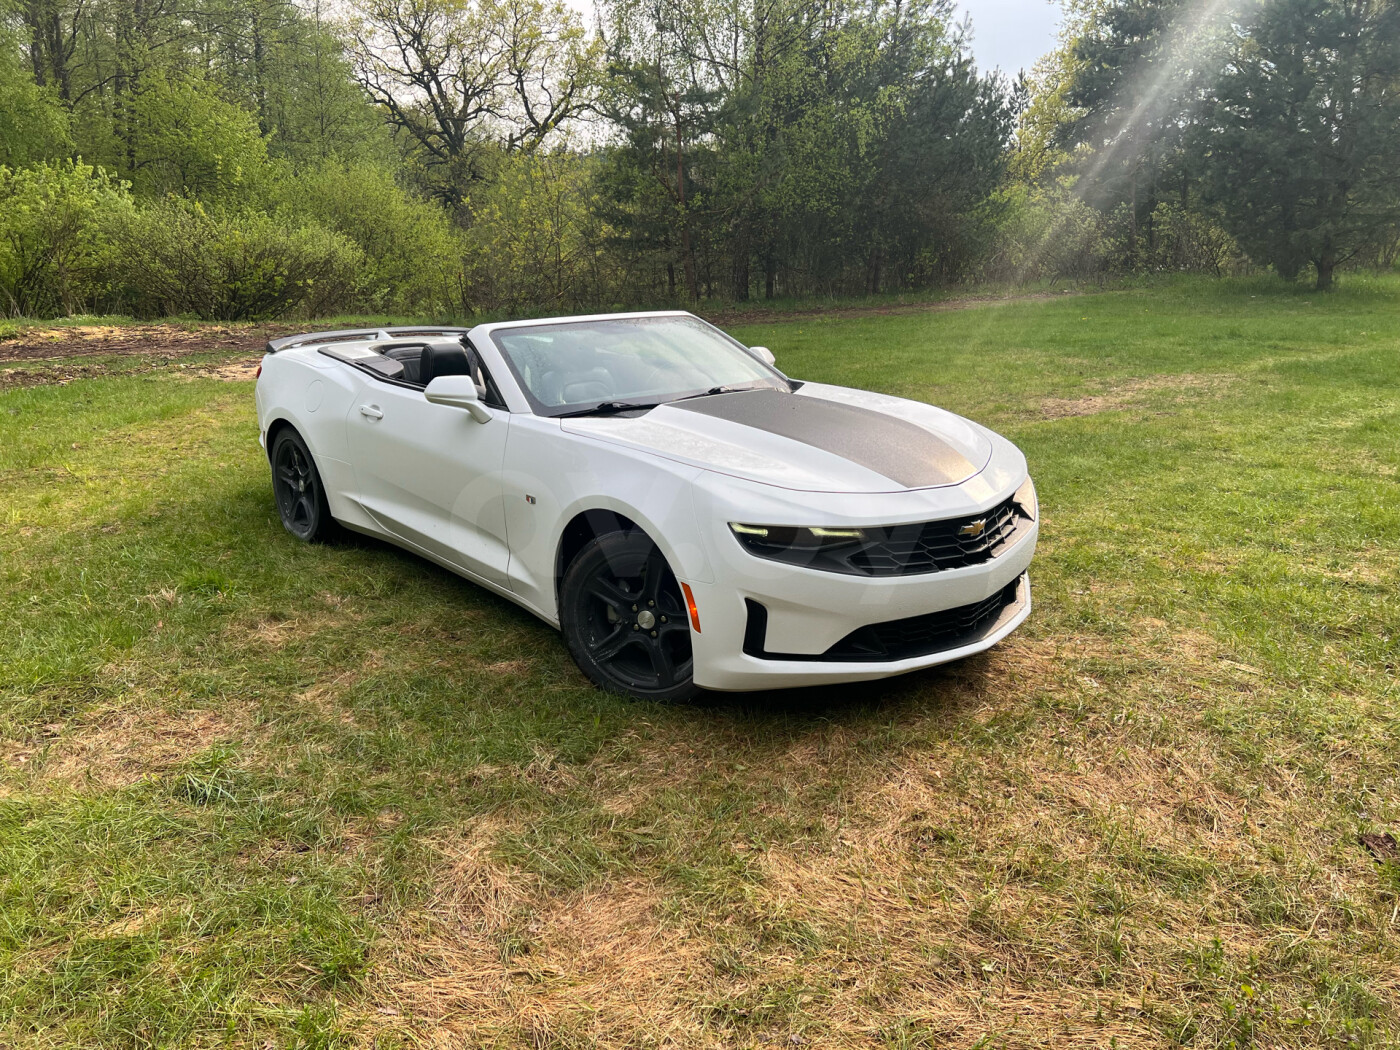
(54, 249)
(413, 254)
(1046, 233)
(195, 143)
(178, 258)
(535, 237)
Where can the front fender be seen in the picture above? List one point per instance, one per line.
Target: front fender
(551, 478)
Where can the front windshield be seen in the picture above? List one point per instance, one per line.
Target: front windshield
(629, 360)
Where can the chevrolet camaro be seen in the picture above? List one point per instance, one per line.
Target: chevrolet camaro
(683, 512)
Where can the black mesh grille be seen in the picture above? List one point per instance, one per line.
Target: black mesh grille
(921, 635)
(907, 549)
(902, 550)
(895, 639)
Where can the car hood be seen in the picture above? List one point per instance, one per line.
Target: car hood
(817, 439)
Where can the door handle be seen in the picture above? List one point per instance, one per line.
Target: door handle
(371, 412)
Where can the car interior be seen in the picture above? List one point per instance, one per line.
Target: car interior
(417, 363)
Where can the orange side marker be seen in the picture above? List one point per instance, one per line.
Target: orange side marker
(690, 604)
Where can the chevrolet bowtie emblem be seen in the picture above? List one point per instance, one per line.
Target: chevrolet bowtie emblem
(973, 529)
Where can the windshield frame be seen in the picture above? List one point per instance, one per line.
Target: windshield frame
(583, 408)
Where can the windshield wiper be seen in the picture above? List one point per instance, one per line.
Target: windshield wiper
(608, 408)
(715, 390)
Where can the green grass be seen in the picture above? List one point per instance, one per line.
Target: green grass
(255, 793)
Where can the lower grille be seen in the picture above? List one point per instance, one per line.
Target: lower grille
(895, 639)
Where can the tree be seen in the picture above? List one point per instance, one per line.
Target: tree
(1301, 145)
(280, 61)
(1132, 78)
(194, 143)
(33, 122)
(458, 77)
(831, 144)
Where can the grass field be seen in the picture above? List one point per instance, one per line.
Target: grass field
(259, 794)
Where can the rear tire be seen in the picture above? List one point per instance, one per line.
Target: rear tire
(625, 620)
(297, 488)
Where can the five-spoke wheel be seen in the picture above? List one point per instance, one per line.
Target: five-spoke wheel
(301, 498)
(625, 619)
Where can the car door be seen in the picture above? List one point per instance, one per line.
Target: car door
(431, 475)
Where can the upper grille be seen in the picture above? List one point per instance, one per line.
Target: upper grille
(902, 550)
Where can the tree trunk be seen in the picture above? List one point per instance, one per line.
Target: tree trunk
(687, 252)
(770, 276)
(260, 75)
(1326, 269)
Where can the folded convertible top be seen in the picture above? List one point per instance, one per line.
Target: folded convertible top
(287, 342)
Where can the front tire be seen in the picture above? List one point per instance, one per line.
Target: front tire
(625, 620)
(296, 485)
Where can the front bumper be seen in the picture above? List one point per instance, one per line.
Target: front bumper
(808, 613)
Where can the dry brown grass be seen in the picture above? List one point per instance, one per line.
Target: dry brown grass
(118, 747)
(1131, 393)
(492, 955)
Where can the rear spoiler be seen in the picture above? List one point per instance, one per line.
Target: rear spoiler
(287, 342)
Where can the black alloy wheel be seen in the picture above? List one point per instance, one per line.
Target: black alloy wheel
(625, 619)
(301, 498)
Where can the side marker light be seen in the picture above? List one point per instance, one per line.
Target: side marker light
(690, 605)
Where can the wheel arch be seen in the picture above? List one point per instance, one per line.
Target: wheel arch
(275, 426)
(581, 529)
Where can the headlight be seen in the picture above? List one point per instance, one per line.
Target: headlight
(775, 540)
(769, 538)
(1026, 498)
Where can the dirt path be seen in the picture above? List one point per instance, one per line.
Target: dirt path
(155, 340)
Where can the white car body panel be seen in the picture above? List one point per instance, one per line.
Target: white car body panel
(491, 501)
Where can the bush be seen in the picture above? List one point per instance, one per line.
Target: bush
(54, 248)
(535, 237)
(178, 258)
(195, 143)
(1174, 239)
(1045, 233)
(413, 254)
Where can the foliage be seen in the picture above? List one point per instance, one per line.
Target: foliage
(534, 237)
(1046, 232)
(1301, 143)
(176, 257)
(500, 155)
(54, 248)
(412, 255)
(33, 123)
(194, 143)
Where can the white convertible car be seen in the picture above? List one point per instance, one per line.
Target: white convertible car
(686, 514)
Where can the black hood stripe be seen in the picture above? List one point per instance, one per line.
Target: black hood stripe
(901, 451)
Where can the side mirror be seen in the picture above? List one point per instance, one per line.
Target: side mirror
(763, 354)
(457, 392)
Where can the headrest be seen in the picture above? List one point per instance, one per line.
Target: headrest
(442, 359)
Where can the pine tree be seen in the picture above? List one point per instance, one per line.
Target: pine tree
(1301, 144)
